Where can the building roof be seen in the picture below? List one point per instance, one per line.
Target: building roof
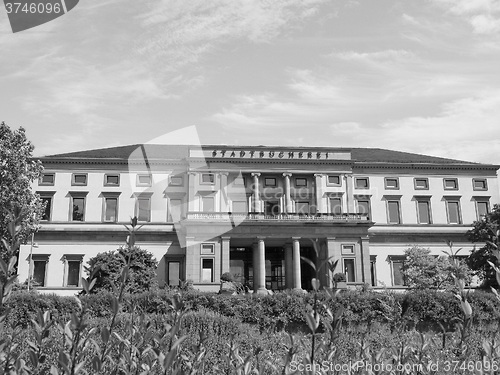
(176, 152)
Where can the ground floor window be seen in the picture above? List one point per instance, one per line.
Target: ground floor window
(349, 269)
(207, 270)
(174, 273)
(39, 269)
(397, 262)
(72, 270)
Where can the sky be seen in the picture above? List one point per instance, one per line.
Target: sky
(417, 76)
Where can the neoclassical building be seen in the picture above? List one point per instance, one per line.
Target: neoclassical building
(253, 211)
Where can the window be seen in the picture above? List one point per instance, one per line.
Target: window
(392, 183)
(300, 182)
(79, 179)
(453, 211)
(393, 212)
(47, 179)
(336, 205)
(207, 248)
(269, 181)
(207, 270)
(110, 209)
(207, 178)
(144, 180)
(482, 206)
(272, 208)
(72, 270)
(175, 210)
(363, 206)
(208, 204)
(47, 198)
(176, 181)
(348, 249)
(111, 180)
(361, 183)
(450, 184)
(302, 208)
(334, 180)
(240, 206)
(78, 209)
(174, 273)
(39, 269)
(349, 269)
(479, 184)
(373, 270)
(421, 183)
(397, 262)
(143, 208)
(423, 210)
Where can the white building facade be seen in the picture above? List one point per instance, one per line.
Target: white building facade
(253, 212)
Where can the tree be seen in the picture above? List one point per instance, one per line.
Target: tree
(141, 275)
(18, 202)
(485, 231)
(422, 270)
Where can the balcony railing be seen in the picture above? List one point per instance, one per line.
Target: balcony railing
(259, 216)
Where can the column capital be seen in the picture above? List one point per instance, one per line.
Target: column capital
(225, 238)
(296, 238)
(255, 174)
(320, 175)
(224, 173)
(193, 173)
(287, 174)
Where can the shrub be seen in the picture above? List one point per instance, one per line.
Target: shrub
(142, 269)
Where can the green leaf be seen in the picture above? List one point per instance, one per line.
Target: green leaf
(308, 261)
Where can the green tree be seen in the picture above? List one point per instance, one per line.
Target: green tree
(18, 202)
(485, 231)
(141, 275)
(422, 270)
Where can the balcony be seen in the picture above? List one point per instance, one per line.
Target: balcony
(282, 217)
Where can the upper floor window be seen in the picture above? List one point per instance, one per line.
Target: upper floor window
(208, 204)
(336, 205)
(47, 198)
(112, 180)
(176, 181)
(423, 210)
(363, 206)
(47, 179)
(334, 180)
(482, 206)
(302, 208)
(79, 179)
(480, 184)
(144, 180)
(77, 202)
(207, 178)
(421, 183)
(269, 181)
(393, 211)
(361, 183)
(450, 183)
(453, 211)
(300, 182)
(392, 183)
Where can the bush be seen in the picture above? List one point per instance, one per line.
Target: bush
(141, 275)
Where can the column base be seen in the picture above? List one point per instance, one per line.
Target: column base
(263, 291)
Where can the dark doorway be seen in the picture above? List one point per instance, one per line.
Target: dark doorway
(307, 272)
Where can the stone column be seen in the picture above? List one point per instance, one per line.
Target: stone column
(224, 206)
(225, 251)
(319, 193)
(297, 278)
(349, 192)
(260, 266)
(192, 176)
(288, 266)
(365, 259)
(288, 199)
(256, 192)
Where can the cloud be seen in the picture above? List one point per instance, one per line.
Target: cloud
(482, 15)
